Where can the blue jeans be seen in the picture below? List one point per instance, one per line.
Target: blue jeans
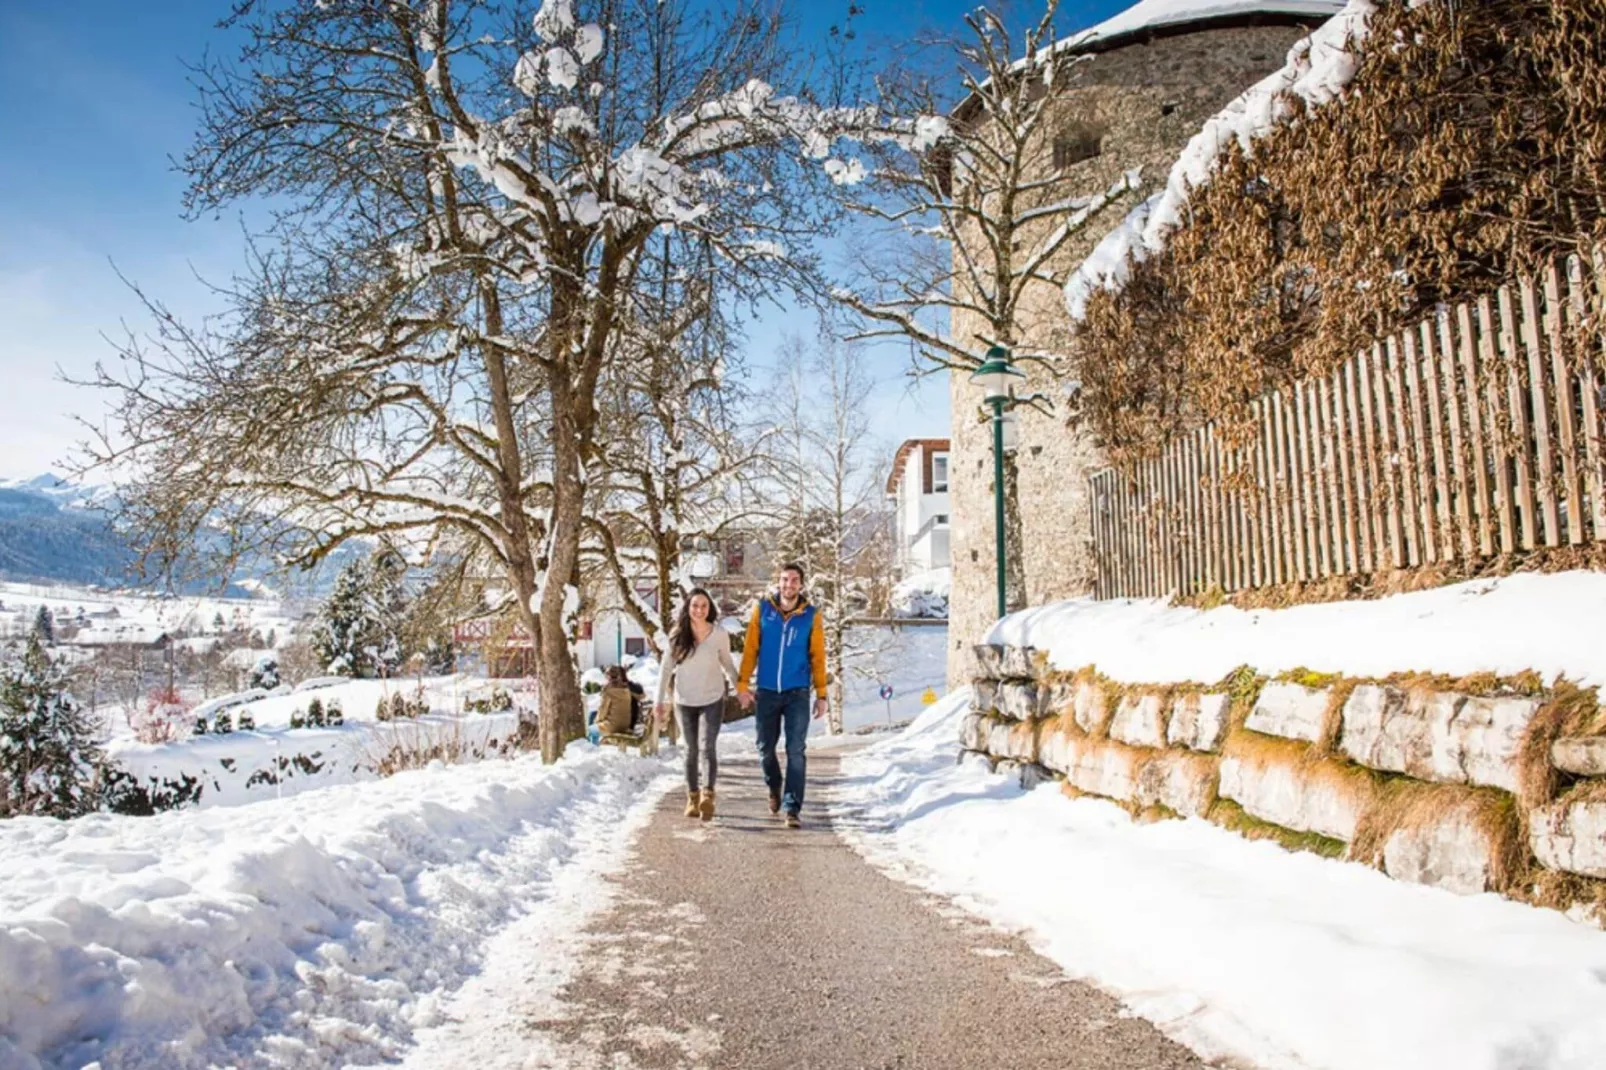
(791, 709)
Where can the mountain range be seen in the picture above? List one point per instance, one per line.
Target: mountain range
(55, 531)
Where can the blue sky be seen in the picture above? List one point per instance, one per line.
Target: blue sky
(99, 104)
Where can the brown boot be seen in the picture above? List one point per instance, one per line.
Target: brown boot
(692, 805)
(775, 800)
(707, 804)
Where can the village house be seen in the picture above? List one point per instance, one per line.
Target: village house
(918, 489)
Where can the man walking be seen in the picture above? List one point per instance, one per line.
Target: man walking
(786, 646)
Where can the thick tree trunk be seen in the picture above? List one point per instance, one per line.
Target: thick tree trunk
(562, 708)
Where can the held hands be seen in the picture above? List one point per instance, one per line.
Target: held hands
(745, 698)
(660, 713)
(819, 708)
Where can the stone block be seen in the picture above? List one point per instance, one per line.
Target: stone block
(1017, 701)
(1185, 783)
(1289, 711)
(1090, 706)
(973, 728)
(1099, 767)
(1580, 755)
(1018, 663)
(1571, 834)
(1057, 742)
(1436, 735)
(989, 661)
(1013, 739)
(1456, 851)
(983, 696)
(1300, 795)
(1140, 721)
(1198, 722)
(1055, 698)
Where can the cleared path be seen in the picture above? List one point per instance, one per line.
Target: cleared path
(742, 944)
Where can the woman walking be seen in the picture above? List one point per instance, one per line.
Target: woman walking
(695, 675)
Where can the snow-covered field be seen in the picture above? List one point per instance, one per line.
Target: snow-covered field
(138, 616)
(1236, 948)
(318, 930)
(1551, 624)
(908, 658)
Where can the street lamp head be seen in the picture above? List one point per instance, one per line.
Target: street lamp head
(996, 374)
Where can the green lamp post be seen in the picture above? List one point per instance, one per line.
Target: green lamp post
(995, 376)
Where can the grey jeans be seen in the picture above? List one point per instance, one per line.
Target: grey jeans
(700, 727)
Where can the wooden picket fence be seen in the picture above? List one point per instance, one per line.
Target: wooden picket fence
(1474, 434)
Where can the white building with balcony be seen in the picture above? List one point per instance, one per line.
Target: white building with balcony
(918, 487)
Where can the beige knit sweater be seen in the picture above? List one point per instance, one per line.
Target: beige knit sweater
(700, 679)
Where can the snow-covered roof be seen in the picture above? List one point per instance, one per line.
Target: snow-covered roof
(1149, 15)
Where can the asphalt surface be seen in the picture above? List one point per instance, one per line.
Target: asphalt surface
(744, 944)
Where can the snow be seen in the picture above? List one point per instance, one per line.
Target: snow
(1319, 69)
(910, 658)
(1155, 14)
(588, 41)
(1550, 624)
(923, 594)
(562, 69)
(1236, 948)
(555, 19)
(324, 929)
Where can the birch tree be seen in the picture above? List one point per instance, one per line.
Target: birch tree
(828, 492)
(464, 192)
(970, 213)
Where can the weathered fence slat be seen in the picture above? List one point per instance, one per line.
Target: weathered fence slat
(1421, 478)
(1441, 465)
(1561, 382)
(1538, 390)
(1344, 414)
(1589, 385)
(1464, 509)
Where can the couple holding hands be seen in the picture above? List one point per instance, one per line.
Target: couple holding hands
(783, 658)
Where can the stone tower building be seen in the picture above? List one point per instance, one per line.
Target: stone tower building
(1153, 75)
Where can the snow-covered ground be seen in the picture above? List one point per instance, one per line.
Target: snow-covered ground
(134, 616)
(1236, 948)
(909, 658)
(318, 930)
(1550, 624)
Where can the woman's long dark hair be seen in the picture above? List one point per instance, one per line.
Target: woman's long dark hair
(685, 640)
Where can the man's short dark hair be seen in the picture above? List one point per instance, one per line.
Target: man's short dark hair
(793, 566)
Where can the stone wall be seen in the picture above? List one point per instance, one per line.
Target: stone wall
(1471, 785)
(1148, 98)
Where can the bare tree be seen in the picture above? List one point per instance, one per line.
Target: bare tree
(969, 210)
(828, 490)
(468, 191)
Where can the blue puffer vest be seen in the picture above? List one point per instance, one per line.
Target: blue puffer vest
(783, 648)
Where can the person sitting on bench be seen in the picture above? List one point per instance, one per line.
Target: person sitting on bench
(615, 712)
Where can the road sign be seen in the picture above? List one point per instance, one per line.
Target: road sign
(886, 691)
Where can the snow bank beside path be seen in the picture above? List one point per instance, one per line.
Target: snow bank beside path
(1551, 624)
(316, 930)
(1235, 948)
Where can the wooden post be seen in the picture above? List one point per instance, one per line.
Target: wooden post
(1435, 431)
(1421, 478)
(1561, 383)
(1386, 460)
(1588, 386)
(1458, 458)
(1537, 390)
(1517, 412)
(1349, 457)
(1404, 465)
(1502, 451)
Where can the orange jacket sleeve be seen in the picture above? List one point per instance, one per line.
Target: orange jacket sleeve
(817, 654)
(744, 678)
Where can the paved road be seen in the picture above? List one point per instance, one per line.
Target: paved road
(745, 945)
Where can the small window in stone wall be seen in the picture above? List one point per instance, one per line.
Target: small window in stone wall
(1077, 142)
